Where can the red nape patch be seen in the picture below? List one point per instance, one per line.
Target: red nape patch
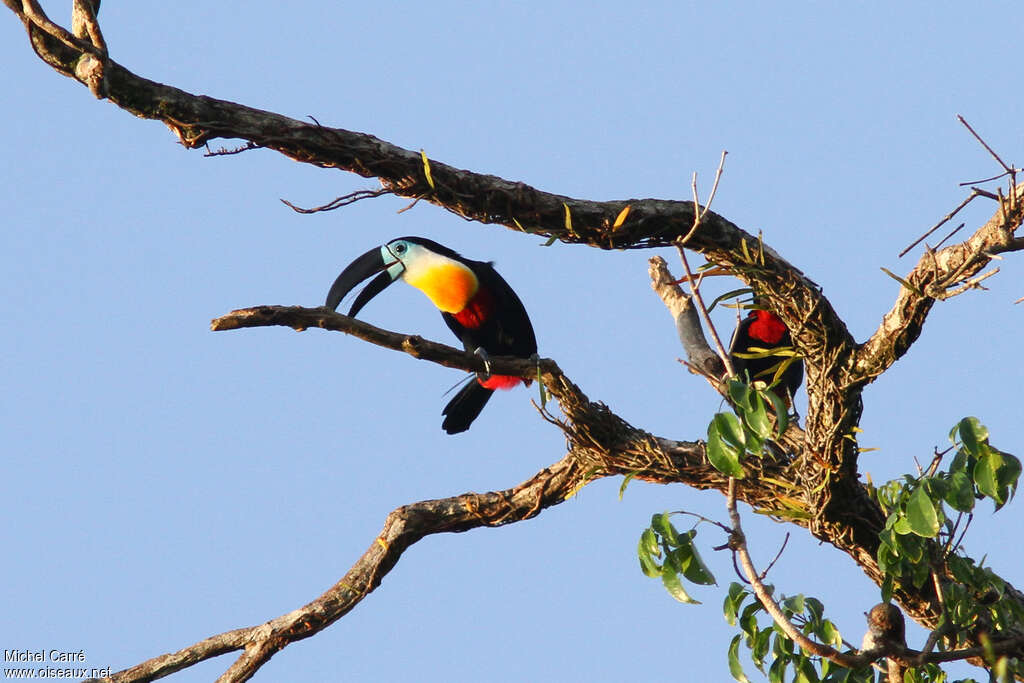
(499, 382)
(477, 310)
(767, 327)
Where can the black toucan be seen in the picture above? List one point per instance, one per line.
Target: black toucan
(762, 329)
(475, 302)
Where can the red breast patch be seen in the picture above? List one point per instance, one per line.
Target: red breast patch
(767, 327)
(477, 310)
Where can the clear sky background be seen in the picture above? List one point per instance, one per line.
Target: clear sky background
(163, 483)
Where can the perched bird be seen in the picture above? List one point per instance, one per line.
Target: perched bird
(762, 329)
(475, 302)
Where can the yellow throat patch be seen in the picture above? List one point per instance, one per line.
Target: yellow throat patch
(448, 283)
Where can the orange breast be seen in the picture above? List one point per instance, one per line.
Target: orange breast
(448, 283)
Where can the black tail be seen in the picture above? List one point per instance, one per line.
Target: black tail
(463, 409)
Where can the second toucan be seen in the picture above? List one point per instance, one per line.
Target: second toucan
(757, 334)
(475, 301)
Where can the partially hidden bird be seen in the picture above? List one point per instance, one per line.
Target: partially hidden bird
(475, 301)
(758, 333)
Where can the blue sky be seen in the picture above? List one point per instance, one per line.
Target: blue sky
(164, 483)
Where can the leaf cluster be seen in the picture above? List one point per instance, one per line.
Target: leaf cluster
(759, 415)
(666, 553)
(932, 506)
(763, 640)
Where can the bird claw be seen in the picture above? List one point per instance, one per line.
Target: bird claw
(487, 363)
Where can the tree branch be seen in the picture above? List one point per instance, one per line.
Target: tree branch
(934, 278)
(702, 359)
(817, 474)
(402, 528)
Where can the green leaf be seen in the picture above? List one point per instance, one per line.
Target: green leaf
(912, 548)
(921, 514)
(625, 482)
(748, 618)
(814, 608)
(734, 661)
(781, 411)
(960, 493)
(728, 295)
(661, 524)
(777, 671)
(722, 456)
(739, 394)
(962, 462)
(731, 430)
(762, 646)
(757, 417)
(732, 603)
(903, 282)
(888, 587)
(1009, 473)
(902, 526)
(986, 475)
(544, 396)
(694, 568)
(674, 586)
(794, 604)
(805, 671)
(972, 434)
(647, 549)
(829, 634)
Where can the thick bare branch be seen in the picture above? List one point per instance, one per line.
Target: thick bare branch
(402, 528)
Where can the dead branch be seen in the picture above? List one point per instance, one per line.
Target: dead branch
(402, 528)
(702, 359)
(937, 276)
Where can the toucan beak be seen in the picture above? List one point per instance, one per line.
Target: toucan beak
(363, 267)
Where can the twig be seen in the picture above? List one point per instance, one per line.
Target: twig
(344, 200)
(702, 518)
(988, 180)
(695, 293)
(984, 144)
(768, 602)
(967, 524)
(223, 151)
(970, 284)
(698, 216)
(714, 185)
(974, 193)
(411, 204)
(952, 232)
(698, 212)
(776, 558)
(986, 194)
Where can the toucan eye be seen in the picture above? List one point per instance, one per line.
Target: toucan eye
(399, 249)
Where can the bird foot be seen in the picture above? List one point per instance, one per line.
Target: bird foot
(487, 363)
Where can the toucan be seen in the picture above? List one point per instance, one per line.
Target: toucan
(476, 303)
(762, 329)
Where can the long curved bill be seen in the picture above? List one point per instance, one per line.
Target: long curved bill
(365, 266)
